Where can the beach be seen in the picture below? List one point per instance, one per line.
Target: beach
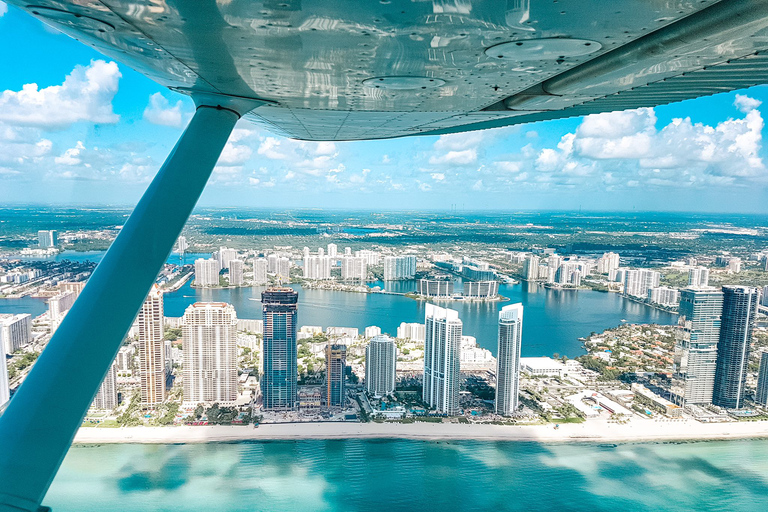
(589, 431)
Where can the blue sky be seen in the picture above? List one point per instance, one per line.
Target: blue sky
(78, 128)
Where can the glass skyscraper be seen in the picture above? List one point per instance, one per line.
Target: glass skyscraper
(278, 385)
(508, 360)
(441, 359)
(761, 393)
(738, 321)
(693, 378)
(335, 368)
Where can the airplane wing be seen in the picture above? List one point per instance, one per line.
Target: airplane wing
(351, 70)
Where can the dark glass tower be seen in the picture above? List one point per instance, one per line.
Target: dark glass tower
(335, 368)
(738, 320)
(278, 384)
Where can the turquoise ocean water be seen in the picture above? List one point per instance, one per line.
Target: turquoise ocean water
(400, 475)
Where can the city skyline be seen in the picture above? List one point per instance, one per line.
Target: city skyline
(698, 155)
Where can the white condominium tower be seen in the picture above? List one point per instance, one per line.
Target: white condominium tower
(607, 262)
(698, 277)
(236, 273)
(225, 257)
(353, 268)
(380, 366)
(260, 271)
(182, 245)
(441, 359)
(15, 331)
(399, 267)
(106, 398)
(210, 353)
(207, 272)
(370, 257)
(152, 349)
(333, 249)
(508, 360)
(637, 282)
(695, 363)
(531, 268)
(317, 267)
(411, 332)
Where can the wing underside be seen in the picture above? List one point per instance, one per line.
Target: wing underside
(349, 70)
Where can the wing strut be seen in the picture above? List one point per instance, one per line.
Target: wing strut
(42, 418)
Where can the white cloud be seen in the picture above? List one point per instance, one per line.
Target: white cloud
(85, 96)
(745, 103)
(71, 156)
(270, 148)
(438, 176)
(159, 111)
(463, 157)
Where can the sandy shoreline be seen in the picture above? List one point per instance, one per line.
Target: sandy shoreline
(591, 431)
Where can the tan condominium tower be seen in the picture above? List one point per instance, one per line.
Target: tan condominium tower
(152, 349)
(209, 332)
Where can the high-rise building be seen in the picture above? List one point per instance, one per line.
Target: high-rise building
(663, 295)
(372, 330)
(152, 349)
(272, 262)
(607, 262)
(58, 306)
(278, 386)
(734, 265)
(435, 287)
(209, 332)
(226, 256)
(695, 362)
(182, 245)
(283, 270)
(736, 325)
(48, 238)
(411, 331)
(399, 267)
(370, 257)
(15, 331)
(207, 272)
(354, 268)
(335, 370)
(508, 359)
(637, 282)
(317, 267)
(332, 250)
(236, 272)
(441, 359)
(531, 268)
(5, 387)
(761, 393)
(260, 271)
(698, 277)
(380, 366)
(106, 398)
(480, 289)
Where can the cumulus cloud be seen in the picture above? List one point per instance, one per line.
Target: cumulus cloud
(159, 111)
(745, 103)
(85, 96)
(628, 149)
